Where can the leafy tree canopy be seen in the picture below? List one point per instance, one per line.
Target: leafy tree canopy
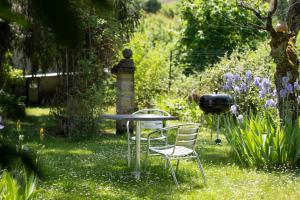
(63, 16)
(213, 28)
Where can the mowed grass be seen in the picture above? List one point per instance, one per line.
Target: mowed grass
(97, 169)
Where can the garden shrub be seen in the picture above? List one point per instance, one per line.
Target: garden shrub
(151, 46)
(12, 77)
(11, 106)
(260, 138)
(179, 106)
(151, 6)
(170, 10)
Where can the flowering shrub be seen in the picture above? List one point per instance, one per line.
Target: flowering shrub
(256, 93)
(260, 138)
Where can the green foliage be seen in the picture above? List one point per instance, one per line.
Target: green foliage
(151, 6)
(11, 106)
(170, 10)
(181, 107)
(65, 22)
(258, 62)
(213, 28)
(20, 188)
(15, 155)
(260, 141)
(151, 45)
(11, 77)
(212, 79)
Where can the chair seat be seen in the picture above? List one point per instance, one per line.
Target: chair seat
(179, 151)
(143, 139)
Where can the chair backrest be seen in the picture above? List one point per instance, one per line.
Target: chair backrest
(152, 125)
(187, 135)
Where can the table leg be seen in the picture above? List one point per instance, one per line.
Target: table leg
(138, 150)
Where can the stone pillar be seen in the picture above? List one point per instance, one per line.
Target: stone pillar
(125, 88)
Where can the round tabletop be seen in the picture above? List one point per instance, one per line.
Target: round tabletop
(139, 117)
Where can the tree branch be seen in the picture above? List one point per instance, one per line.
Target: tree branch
(293, 17)
(242, 4)
(272, 8)
(268, 19)
(257, 26)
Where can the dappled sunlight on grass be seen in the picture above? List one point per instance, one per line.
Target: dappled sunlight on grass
(36, 111)
(80, 152)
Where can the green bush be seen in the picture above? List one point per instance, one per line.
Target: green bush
(151, 46)
(179, 106)
(170, 10)
(261, 141)
(11, 106)
(211, 79)
(151, 6)
(12, 77)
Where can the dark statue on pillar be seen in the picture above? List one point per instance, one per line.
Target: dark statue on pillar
(125, 88)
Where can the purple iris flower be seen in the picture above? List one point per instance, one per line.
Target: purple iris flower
(256, 81)
(233, 110)
(270, 103)
(226, 87)
(237, 77)
(285, 80)
(283, 93)
(228, 76)
(265, 83)
(296, 85)
(248, 76)
(244, 87)
(237, 89)
(262, 94)
(290, 88)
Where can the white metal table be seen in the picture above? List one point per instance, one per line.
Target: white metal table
(138, 118)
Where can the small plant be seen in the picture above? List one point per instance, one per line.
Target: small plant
(260, 141)
(11, 188)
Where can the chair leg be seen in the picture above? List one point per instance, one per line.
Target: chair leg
(177, 165)
(201, 168)
(172, 171)
(129, 152)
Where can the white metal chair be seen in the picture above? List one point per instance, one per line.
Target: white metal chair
(147, 127)
(183, 148)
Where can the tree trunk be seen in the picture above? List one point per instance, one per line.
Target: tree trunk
(284, 53)
(283, 50)
(5, 39)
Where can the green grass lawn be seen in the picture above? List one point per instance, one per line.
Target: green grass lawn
(97, 169)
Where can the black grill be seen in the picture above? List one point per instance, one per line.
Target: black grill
(215, 103)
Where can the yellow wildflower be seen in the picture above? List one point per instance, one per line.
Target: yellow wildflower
(18, 124)
(42, 134)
